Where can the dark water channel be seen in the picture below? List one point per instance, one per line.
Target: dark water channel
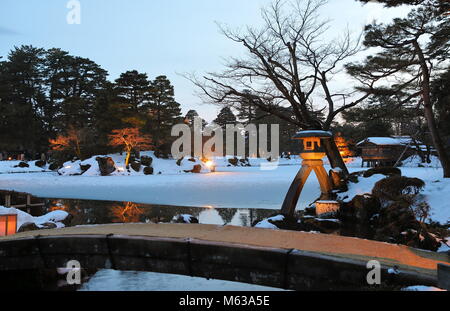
(89, 212)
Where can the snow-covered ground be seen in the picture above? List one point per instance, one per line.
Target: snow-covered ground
(229, 187)
(7, 167)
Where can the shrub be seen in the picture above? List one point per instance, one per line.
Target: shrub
(397, 187)
(387, 171)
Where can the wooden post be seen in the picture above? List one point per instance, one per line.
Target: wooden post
(7, 200)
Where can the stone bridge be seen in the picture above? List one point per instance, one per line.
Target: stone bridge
(276, 258)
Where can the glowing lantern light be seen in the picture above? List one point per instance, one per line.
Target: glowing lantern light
(211, 165)
(8, 225)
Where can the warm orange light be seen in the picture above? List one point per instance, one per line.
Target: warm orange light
(211, 165)
(8, 225)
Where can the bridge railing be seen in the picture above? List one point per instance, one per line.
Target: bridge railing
(279, 268)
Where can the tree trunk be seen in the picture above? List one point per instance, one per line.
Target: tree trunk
(429, 115)
(127, 160)
(334, 156)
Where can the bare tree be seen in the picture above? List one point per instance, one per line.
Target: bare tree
(289, 63)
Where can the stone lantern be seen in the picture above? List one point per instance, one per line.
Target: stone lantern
(312, 153)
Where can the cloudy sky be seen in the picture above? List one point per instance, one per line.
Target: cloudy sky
(158, 37)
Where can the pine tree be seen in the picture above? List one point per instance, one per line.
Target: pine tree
(133, 98)
(225, 116)
(411, 50)
(22, 99)
(165, 111)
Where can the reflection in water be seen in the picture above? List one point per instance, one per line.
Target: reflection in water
(87, 212)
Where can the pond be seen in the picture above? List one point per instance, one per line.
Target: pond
(88, 212)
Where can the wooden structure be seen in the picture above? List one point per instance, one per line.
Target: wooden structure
(282, 259)
(385, 151)
(19, 200)
(312, 153)
(8, 225)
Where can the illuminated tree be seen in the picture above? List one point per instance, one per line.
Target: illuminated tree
(68, 143)
(129, 139)
(128, 213)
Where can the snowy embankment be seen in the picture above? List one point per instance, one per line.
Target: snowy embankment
(10, 167)
(55, 217)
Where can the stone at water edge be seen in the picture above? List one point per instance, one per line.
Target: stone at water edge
(22, 165)
(146, 161)
(84, 168)
(148, 170)
(136, 166)
(40, 163)
(28, 226)
(106, 165)
(197, 169)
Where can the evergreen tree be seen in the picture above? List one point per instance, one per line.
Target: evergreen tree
(133, 98)
(225, 116)
(164, 110)
(22, 101)
(441, 98)
(412, 49)
(191, 115)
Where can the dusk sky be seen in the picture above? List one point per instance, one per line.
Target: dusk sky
(158, 37)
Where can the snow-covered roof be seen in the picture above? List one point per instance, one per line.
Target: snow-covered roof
(385, 141)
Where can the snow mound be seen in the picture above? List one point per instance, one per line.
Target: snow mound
(55, 217)
(267, 223)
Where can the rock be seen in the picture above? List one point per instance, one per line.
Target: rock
(136, 166)
(146, 161)
(233, 161)
(362, 208)
(54, 166)
(185, 219)
(387, 171)
(286, 222)
(22, 165)
(68, 220)
(106, 165)
(320, 225)
(148, 170)
(84, 168)
(48, 225)
(196, 170)
(40, 163)
(28, 226)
